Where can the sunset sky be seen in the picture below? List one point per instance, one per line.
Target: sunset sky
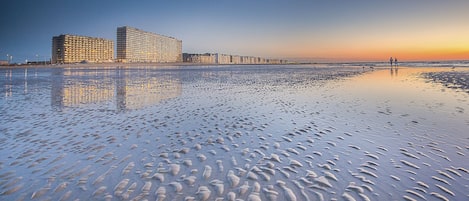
(365, 30)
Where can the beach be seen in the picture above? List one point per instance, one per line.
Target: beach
(254, 132)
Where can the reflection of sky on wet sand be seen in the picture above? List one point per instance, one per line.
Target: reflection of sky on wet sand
(407, 93)
(407, 84)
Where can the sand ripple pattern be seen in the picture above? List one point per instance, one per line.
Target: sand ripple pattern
(232, 134)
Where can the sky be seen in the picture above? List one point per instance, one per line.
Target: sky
(333, 30)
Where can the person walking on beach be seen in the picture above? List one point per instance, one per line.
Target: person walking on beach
(395, 62)
(390, 61)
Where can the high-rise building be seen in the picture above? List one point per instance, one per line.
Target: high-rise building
(73, 49)
(135, 45)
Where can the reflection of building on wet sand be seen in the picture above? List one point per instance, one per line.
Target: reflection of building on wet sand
(126, 89)
(135, 93)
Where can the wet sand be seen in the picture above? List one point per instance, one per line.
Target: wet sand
(451, 79)
(256, 133)
(131, 65)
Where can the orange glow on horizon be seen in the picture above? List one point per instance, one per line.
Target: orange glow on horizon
(403, 54)
(408, 43)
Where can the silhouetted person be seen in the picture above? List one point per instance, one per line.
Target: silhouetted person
(390, 61)
(395, 62)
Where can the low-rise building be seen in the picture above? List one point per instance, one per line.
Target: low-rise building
(217, 58)
(206, 58)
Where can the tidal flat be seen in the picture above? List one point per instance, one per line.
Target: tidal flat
(254, 132)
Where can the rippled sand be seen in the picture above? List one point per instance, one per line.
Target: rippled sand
(456, 79)
(247, 133)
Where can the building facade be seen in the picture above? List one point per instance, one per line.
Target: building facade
(74, 49)
(135, 45)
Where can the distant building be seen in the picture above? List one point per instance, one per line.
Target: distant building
(3, 62)
(206, 58)
(38, 62)
(135, 45)
(224, 59)
(74, 49)
(209, 58)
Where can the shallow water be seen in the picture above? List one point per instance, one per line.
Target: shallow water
(279, 132)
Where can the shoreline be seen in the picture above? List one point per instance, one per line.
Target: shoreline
(367, 65)
(370, 64)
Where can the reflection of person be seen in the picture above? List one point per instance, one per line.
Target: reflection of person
(390, 61)
(394, 71)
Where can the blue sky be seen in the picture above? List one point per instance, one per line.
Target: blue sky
(343, 30)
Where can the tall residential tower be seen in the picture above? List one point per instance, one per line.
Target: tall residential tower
(135, 45)
(73, 49)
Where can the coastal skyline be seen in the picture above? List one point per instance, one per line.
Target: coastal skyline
(312, 30)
